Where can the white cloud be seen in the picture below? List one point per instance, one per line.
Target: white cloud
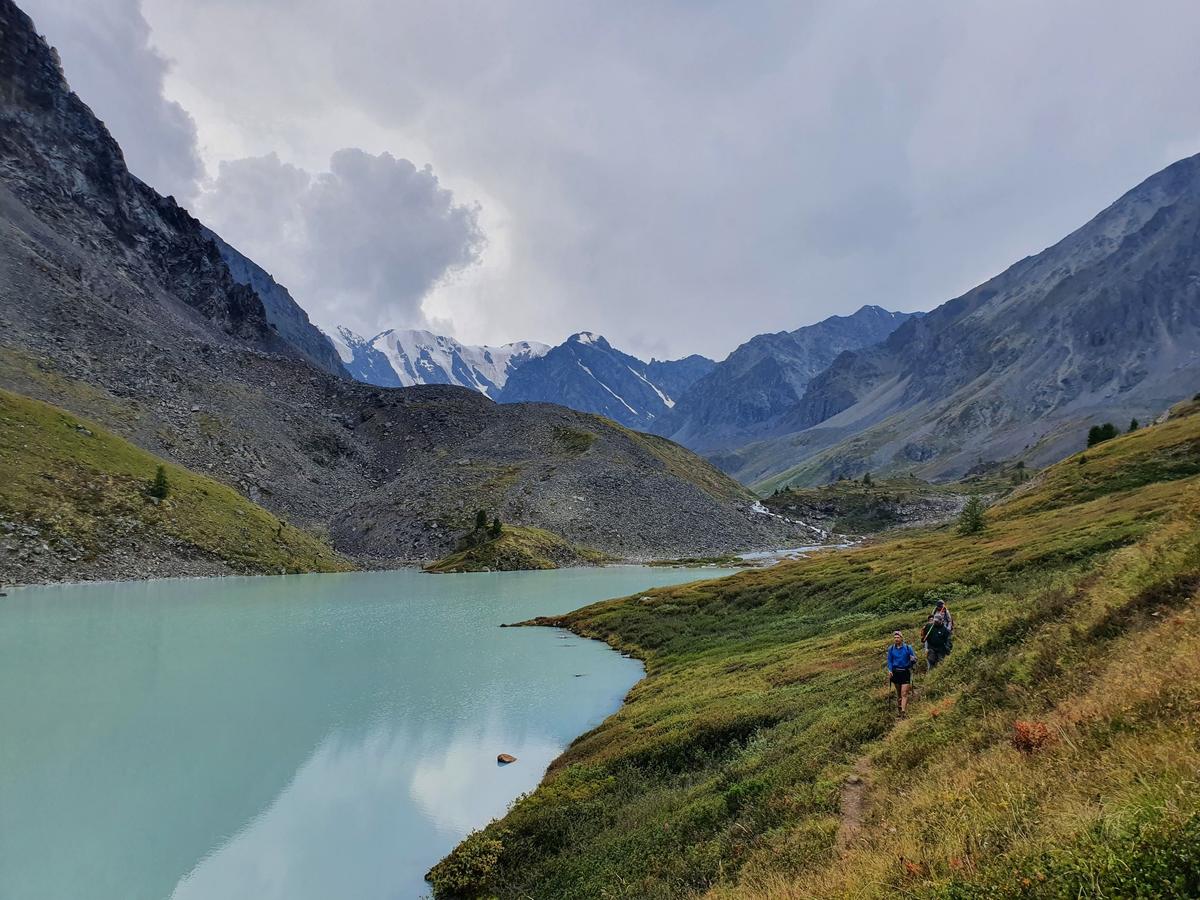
(360, 244)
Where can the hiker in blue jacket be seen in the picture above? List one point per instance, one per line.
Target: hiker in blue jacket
(899, 666)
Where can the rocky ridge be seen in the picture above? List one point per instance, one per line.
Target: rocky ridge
(587, 373)
(744, 397)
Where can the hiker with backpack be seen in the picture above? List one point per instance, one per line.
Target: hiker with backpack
(941, 613)
(936, 637)
(899, 666)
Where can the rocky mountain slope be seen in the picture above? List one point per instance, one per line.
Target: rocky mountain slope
(114, 304)
(587, 373)
(405, 357)
(744, 397)
(1103, 326)
(283, 313)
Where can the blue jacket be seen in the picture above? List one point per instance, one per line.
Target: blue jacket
(899, 657)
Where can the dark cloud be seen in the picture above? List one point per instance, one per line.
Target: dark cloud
(360, 244)
(111, 63)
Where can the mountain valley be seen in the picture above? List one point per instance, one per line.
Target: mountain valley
(118, 306)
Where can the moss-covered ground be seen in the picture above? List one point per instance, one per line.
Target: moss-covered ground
(1077, 622)
(77, 482)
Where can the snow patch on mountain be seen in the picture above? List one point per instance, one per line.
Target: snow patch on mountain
(654, 387)
(339, 342)
(610, 390)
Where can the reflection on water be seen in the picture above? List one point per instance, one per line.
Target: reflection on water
(311, 736)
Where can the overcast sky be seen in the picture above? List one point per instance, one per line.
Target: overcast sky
(676, 176)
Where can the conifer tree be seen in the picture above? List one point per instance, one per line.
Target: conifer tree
(480, 519)
(496, 527)
(159, 487)
(1134, 425)
(970, 520)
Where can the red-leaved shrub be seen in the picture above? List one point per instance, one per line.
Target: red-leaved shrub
(1029, 737)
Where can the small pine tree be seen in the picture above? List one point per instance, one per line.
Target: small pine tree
(1134, 425)
(970, 520)
(867, 479)
(496, 527)
(159, 487)
(480, 519)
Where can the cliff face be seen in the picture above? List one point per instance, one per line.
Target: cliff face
(60, 161)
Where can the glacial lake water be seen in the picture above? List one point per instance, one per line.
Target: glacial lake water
(313, 736)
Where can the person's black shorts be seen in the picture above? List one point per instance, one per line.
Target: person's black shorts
(901, 676)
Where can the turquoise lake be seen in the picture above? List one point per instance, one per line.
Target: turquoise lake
(313, 736)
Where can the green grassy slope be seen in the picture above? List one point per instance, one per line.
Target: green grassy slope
(519, 547)
(1077, 610)
(81, 485)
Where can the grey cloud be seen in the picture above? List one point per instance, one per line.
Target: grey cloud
(112, 65)
(681, 175)
(255, 203)
(360, 244)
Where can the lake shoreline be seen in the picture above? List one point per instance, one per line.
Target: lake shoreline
(206, 569)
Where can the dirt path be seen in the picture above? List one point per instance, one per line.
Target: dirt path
(853, 806)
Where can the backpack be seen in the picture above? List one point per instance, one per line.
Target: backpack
(939, 638)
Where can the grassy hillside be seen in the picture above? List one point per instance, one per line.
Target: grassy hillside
(851, 507)
(518, 547)
(1055, 753)
(80, 490)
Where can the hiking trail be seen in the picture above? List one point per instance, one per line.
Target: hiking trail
(853, 806)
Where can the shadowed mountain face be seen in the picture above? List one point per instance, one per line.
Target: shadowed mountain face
(744, 397)
(1103, 326)
(585, 372)
(115, 304)
(283, 313)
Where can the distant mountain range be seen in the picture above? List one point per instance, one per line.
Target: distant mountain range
(743, 398)
(584, 372)
(704, 405)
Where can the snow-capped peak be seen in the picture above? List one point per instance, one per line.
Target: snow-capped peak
(343, 341)
(417, 356)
